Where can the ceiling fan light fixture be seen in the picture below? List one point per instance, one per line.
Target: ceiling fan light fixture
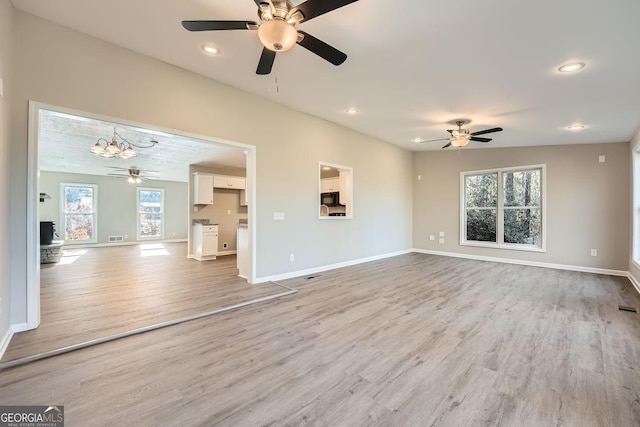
(128, 153)
(278, 35)
(460, 141)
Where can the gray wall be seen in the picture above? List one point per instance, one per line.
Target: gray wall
(117, 204)
(635, 206)
(223, 201)
(62, 67)
(587, 202)
(6, 43)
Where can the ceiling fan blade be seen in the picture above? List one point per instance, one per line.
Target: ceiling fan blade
(266, 61)
(118, 175)
(482, 132)
(217, 25)
(473, 138)
(322, 49)
(434, 140)
(445, 146)
(312, 8)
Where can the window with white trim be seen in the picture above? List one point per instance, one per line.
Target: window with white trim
(503, 208)
(150, 213)
(79, 212)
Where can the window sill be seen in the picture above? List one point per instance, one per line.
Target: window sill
(526, 248)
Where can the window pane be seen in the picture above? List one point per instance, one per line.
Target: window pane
(481, 191)
(481, 225)
(150, 225)
(78, 227)
(522, 188)
(78, 199)
(522, 226)
(150, 201)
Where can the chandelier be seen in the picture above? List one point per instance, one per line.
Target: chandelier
(118, 147)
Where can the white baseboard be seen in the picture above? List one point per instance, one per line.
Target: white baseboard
(223, 253)
(322, 268)
(529, 263)
(20, 327)
(634, 281)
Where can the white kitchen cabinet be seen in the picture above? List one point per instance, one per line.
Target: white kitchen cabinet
(202, 189)
(244, 199)
(205, 242)
(231, 182)
(330, 185)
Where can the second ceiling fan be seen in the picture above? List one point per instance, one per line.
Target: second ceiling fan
(277, 31)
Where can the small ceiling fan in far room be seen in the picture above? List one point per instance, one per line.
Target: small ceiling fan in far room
(133, 174)
(461, 137)
(277, 31)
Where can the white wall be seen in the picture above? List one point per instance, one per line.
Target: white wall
(6, 45)
(117, 204)
(587, 201)
(62, 67)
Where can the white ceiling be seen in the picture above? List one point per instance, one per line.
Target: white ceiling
(413, 66)
(65, 142)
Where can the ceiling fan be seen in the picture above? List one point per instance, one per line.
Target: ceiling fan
(461, 137)
(134, 174)
(277, 31)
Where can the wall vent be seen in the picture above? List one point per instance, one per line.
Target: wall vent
(116, 239)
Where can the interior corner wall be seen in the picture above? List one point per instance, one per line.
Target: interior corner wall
(63, 67)
(634, 196)
(587, 202)
(6, 74)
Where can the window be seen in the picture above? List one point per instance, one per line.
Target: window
(150, 213)
(79, 213)
(503, 208)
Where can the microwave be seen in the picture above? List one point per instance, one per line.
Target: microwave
(330, 199)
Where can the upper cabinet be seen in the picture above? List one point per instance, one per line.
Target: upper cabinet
(202, 189)
(330, 185)
(231, 182)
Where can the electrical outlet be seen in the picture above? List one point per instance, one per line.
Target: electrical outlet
(419, 177)
(602, 158)
(292, 258)
(126, 236)
(594, 252)
(228, 211)
(432, 237)
(225, 245)
(173, 234)
(278, 216)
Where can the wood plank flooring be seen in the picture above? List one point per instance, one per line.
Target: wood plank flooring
(99, 292)
(414, 340)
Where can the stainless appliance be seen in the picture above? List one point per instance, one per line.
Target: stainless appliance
(330, 199)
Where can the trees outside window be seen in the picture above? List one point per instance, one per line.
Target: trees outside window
(503, 208)
(79, 213)
(150, 213)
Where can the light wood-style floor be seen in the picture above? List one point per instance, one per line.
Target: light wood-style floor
(99, 292)
(414, 340)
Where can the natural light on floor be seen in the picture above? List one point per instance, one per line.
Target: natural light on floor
(69, 256)
(154, 249)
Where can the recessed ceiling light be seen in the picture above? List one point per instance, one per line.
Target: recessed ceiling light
(210, 49)
(416, 140)
(572, 66)
(576, 126)
(351, 111)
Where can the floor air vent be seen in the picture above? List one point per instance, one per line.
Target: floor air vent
(116, 238)
(627, 308)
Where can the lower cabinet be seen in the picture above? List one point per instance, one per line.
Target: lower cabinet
(205, 242)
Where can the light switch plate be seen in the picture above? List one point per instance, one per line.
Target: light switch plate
(442, 234)
(278, 216)
(441, 241)
(602, 158)
(432, 237)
